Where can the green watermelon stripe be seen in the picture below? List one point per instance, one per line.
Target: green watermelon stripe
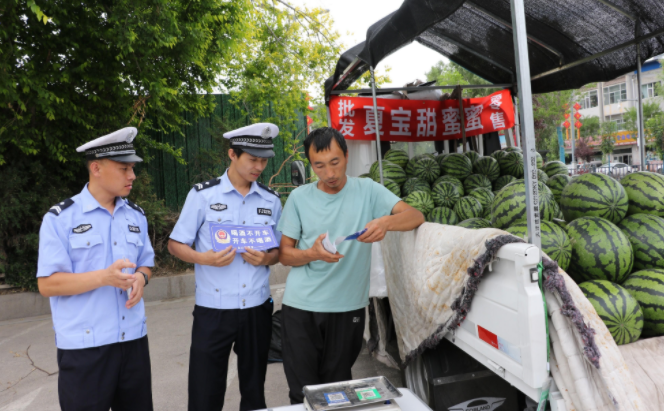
(612, 295)
(617, 308)
(647, 278)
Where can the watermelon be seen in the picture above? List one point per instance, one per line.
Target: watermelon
(474, 181)
(502, 181)
(390, 170)
(555, 242)
(398, 157)
(617, 308)
(498, 154)
(468, 207)
(450, 179)
(486, 213)
(475, 223)
(509, 206)
(647, 286)
(513, 149)
(540, 160)
(446, 194)
(442, 215)
(487, 166)
(457, 165)
(414, 184)
(561, 223)
(439, 159)
(410, 167)
(485, 197)
(553, 168)
(365, 175)
(595, 195)
(541, 176)
(420, 200)
(646, 233)
(600, 251)
(557, 183)
(511, 164)
(645, 191)
(392, 186)
(473, 156)
(427, 169)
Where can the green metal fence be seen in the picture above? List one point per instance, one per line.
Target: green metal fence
(172, 181)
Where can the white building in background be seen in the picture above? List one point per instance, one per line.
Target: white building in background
(610, 100)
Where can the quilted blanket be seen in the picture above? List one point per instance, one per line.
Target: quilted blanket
(432, 274)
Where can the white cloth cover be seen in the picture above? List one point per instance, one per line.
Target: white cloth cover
(427, 270)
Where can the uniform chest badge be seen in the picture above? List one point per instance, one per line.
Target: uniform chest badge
(218, 207)
(134, 229)
(264, 211)
(82, 228)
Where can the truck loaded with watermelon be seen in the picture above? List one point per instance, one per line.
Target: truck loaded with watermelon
(607, 234)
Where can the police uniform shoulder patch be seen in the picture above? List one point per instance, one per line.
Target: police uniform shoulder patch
(135, 207)
(207, 184)
(61, 206)
(268, 189)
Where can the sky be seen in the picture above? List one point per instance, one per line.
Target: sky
(352, 18)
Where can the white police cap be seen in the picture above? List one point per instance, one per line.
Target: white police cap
(255, 139)
(116, 146)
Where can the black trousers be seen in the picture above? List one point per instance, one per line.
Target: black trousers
(214, 332)
(115, 376)
(319, 348)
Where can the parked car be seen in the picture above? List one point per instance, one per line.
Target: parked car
(615, 168)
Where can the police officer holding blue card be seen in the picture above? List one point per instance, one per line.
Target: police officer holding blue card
(94, 259)
(233, 305)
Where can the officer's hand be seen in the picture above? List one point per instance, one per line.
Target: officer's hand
(219, 259)
(114, 276)
(319, 252)
(137, 288)
(254, 257)
(376, 230)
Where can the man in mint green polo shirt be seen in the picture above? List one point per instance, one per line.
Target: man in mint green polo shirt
(326, 294)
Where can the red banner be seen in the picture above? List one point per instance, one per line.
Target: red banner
(420, 120)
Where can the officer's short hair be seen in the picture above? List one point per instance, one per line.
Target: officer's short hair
(321, 138)
(88, 163)
(238, 151)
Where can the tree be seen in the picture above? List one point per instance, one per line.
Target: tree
(452, 74)
(608, 131)
(548, 113)
(655, 134)
(590, 126)
(650, 109)
(583, 150)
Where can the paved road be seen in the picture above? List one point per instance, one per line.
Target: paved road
(28, 368)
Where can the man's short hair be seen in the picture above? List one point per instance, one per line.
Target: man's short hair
(321, 138)
(238, 151)
(88, 163)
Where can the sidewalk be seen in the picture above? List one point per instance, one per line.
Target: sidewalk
(28, 368)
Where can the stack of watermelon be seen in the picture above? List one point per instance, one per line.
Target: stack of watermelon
(617, 234)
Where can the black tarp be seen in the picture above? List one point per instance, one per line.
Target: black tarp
(471, 33)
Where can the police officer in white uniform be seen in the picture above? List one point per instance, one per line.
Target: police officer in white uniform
(94, 261)
(233, 305)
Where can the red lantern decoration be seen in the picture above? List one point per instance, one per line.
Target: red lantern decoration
(578, 124)
(577, 106)
(566, 116)
(577, 115)
(566, 124)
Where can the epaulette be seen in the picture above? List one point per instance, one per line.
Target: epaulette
(268, 189)
(58, 208)
(207, 184)
(135, 207)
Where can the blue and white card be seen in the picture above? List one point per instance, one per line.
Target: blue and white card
(242, 237)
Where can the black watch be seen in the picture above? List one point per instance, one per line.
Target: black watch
(144, 276)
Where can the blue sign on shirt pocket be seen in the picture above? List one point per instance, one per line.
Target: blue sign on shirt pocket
(85, 246)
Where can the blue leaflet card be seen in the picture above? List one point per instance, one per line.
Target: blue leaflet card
(336, 398)
(242, 237)
(356, 235)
